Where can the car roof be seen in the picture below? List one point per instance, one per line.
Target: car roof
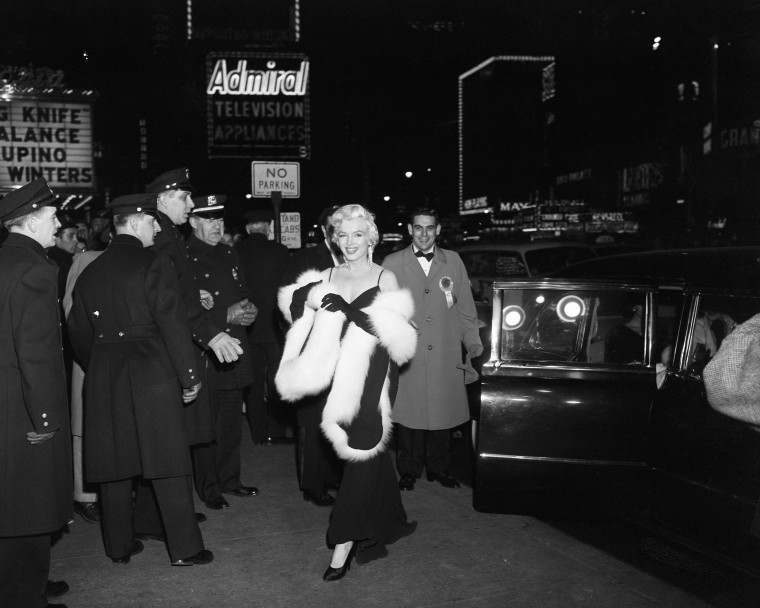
(724, 268)
(519, 246)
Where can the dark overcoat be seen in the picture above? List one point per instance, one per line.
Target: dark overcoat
(199, 419)
(219, 272)
(128, 327)
(431, 391)
(308, 258)
(265, 263)
(35, 480)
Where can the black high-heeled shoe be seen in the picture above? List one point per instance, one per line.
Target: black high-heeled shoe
(334, 574)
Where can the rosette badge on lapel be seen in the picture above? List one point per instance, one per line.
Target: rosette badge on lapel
(447, 286)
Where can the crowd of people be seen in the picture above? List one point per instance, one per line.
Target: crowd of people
(134, 348)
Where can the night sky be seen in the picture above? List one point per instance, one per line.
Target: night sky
(384, 72)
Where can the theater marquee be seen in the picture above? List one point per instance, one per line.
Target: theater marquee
(258, 105)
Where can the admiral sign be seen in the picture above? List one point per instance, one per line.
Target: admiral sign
(258, 105)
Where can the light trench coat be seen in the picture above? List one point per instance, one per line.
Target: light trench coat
(431, 392)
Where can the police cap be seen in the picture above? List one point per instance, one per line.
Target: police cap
(176, 179)
(28, 198)
(133, 203)
(209, 207)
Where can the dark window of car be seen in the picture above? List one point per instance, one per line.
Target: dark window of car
(585, 326)
(541, 261)
(717, 316)
(494, 263)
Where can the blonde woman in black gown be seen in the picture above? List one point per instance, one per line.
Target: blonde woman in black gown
(350, 331)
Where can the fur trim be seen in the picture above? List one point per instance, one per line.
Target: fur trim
(390, 313)
(311, 351)
(285, 294)
(314, 357)
(343, 403)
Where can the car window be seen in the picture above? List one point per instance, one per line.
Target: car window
(541, 261)
(585, 326)
(493, 263)
(717, 316)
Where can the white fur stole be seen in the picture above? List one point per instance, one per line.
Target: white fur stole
(314, 357)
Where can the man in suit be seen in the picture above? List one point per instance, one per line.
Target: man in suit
(35, 451)
(431, 397)
(264, 262)
(173, 192)
(128, 328)
(318, 466)
(217, 464)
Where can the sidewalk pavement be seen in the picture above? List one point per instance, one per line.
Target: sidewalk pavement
(270, 550)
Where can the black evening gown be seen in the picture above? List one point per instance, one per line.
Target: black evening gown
(368, 509)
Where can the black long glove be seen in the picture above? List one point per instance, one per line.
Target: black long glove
(298, 302)
(334, 303)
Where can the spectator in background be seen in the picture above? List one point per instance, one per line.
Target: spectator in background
(85, 499)
(318, 466)
(265, 262)
(62, 253)
(101, 231)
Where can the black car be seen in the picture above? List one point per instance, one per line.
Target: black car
(593, 399)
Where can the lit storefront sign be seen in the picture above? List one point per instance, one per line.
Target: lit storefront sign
(258, 105)
(45, 131)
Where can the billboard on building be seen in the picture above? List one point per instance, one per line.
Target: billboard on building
(45, 131)
(258, 105)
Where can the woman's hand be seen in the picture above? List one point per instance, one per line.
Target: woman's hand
(335, 303)
(298, 302)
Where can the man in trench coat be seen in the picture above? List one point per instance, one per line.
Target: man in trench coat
(431, 397)
(35, 448)
(128, 328)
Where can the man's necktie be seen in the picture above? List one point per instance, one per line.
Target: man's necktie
(427, 256)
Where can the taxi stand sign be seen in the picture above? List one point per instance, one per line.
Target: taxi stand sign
(270, 177)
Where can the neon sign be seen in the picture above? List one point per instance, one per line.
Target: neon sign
(242, 81)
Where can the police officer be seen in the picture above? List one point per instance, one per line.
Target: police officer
(128, 328)
(174, 202)
(35, 450)
(217, 465)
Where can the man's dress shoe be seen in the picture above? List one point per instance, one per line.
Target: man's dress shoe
(90, 511)
(445, 479)
(406, 483)
(204, 556)
(321, 498)
(56, 588)
(243, 491)
(200, 517)
(217, 503)
(125, 560)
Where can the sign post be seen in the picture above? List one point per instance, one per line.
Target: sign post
(276, 181)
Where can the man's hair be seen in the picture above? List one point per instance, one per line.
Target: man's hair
(324, 217)
(122, 219)
(424, 211)
(352, 212)
(18, 222)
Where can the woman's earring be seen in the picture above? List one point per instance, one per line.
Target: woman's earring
(369, 257)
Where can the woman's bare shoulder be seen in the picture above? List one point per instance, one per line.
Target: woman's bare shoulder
(388, 281)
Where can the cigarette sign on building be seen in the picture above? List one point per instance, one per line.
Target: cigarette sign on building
(46, 139)
(258, 105)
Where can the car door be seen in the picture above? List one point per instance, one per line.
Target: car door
(565, 399)
(705, 465)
